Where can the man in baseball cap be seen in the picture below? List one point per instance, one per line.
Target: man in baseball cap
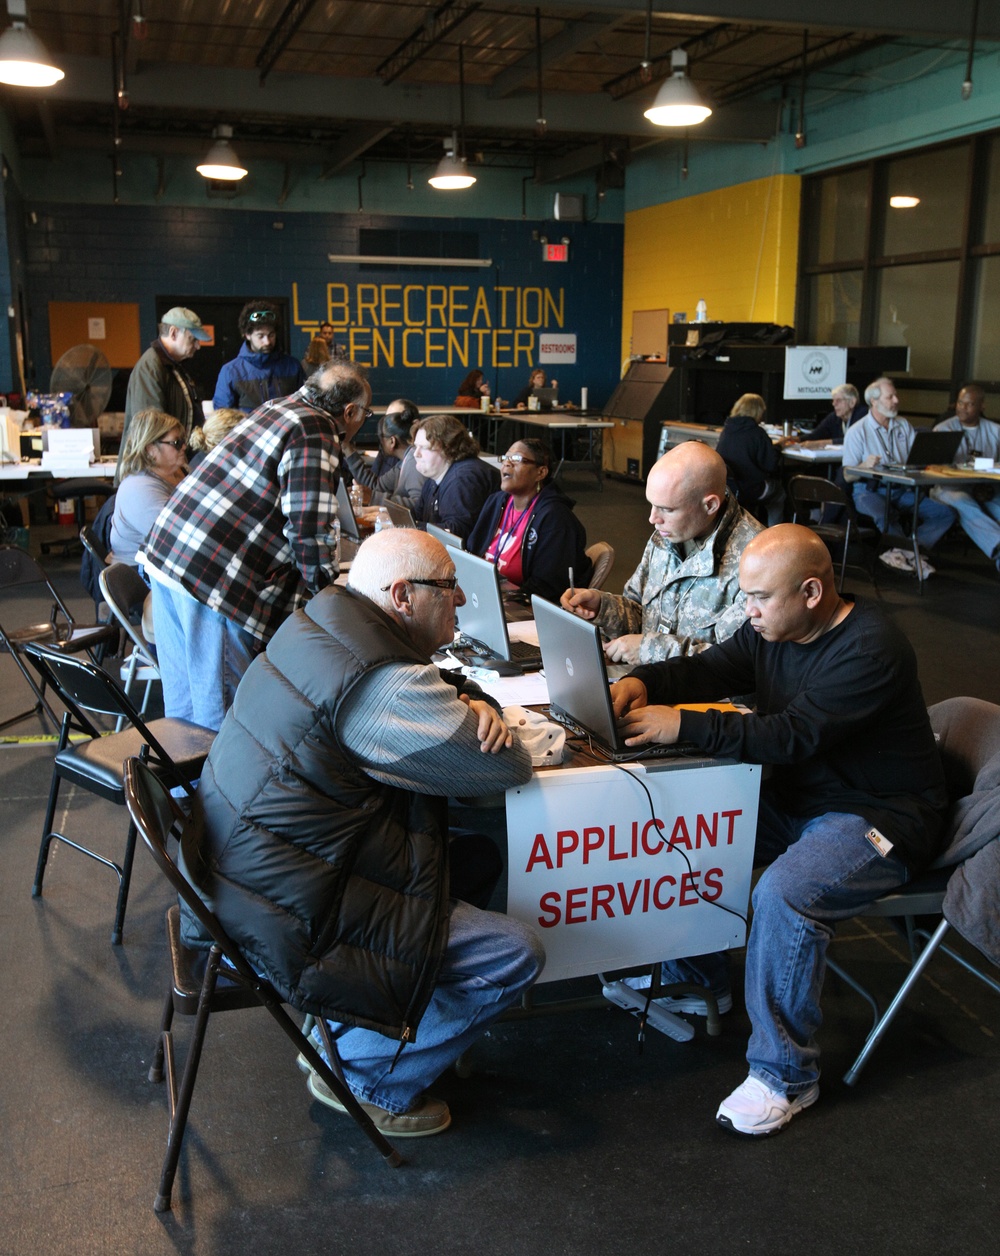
(158, 379)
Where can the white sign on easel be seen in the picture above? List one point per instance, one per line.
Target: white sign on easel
(812, 370)
(606, 883)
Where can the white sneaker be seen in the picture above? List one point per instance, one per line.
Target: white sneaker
(756, 1109)
(900, 559)
(691, 1004)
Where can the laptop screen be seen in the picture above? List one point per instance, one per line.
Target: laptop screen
(400, 515)
(447, 539)
(482, 616)
(575, 671)
(348, 523)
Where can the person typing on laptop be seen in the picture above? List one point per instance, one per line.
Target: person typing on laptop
(883, 438)
(684, 595)
(852, 809)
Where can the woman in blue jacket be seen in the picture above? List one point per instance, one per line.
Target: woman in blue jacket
(529, 530)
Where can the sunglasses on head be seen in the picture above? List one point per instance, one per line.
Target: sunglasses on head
(260, 316)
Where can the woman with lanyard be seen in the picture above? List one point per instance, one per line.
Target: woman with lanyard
(529, 530)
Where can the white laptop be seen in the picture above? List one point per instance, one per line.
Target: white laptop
(577, 679)
(481, 620)
(448, 539)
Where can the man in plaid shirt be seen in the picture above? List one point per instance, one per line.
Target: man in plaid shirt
(249, 537)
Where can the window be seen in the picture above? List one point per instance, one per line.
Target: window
(924, 275)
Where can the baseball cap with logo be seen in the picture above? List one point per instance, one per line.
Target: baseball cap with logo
(186, 320)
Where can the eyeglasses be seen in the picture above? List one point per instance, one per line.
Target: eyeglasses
(449, 582)
(174, 444)
(517, 459)
(260, 316)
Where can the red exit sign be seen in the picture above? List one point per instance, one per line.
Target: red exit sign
(555, 252)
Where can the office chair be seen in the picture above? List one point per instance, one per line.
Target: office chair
(19, 572)
(216, 980)
(125, 592)
(806, 493)
(176, 750)
(602, 555)
(964, 875)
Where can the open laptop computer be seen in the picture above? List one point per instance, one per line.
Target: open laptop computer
(481, 621)
(448, 539)
(350, 535)
(401, 516)
(547, 397)
(929, 449)
(577, 679)
(348, 522)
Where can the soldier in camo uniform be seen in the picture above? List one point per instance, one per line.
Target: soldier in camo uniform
(684, 596)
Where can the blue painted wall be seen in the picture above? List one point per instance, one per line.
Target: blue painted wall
(79, 252)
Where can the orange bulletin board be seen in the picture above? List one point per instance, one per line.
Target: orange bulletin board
(112, 327)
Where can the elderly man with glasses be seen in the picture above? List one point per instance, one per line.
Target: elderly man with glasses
(248, 537)
(321, 832)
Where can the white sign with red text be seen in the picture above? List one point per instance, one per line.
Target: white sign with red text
(608, 883)
(557, 346)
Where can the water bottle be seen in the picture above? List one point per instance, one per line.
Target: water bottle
(333, 541)
(382, 520)
(357, 497)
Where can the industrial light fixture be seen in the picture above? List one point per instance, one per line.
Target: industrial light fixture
(221, 162)
(904, 202)
(452, 170)
(678, 102)
(24, 61)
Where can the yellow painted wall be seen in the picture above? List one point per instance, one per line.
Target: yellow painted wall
(736, 248)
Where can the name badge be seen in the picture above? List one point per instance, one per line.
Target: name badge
(881, 843)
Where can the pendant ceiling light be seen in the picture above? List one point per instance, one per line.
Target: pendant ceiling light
(24, 61)
(221, 162)
(452, 170)
(678, 102)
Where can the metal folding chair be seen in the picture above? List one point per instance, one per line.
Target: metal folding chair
(176, 750)
(19, 573)
(218, 979)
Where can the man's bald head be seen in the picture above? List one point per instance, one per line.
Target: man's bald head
(787, 577)
(686, 489)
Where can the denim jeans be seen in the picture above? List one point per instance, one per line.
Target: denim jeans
(201, 656)
(824, 869)
(933, 518)
(488, 962)
(981, 521)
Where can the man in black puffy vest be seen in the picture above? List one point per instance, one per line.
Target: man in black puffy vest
(323, 835)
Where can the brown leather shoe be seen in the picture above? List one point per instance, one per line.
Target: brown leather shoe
(427, 1116)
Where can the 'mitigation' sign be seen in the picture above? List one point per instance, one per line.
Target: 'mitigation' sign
(606, 884)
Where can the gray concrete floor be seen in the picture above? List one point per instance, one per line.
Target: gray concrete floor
(566, 1138)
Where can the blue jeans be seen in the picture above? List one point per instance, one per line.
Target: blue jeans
(980, 520)
(201, 656)
(824, 869)
(933, 518)
(488, 962)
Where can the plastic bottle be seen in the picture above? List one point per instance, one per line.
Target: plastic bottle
(357, 497)
(382, 520)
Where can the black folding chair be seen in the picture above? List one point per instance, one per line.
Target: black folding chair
(176, 750)
(216, 980)
(809, 492)
(19, 572)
